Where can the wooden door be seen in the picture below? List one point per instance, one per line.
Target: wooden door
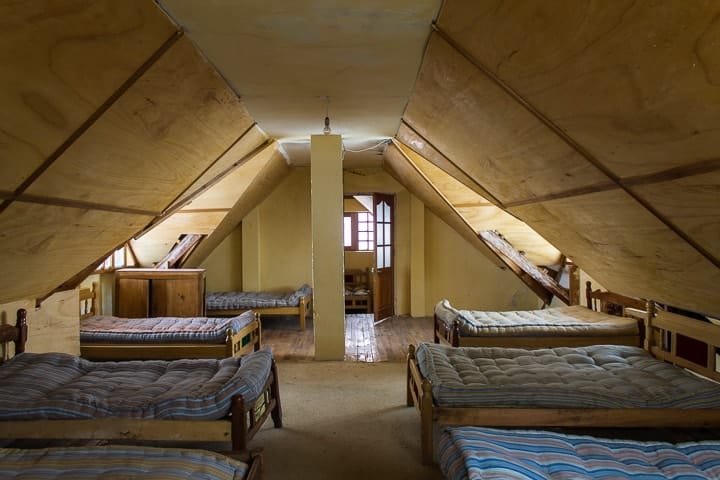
(383, 271)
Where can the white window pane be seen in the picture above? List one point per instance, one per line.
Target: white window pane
(347, 231)
(380, 258)
(380, 234)
(379, 212)
(119, 258)
(387, 234)
(386, 207)
(370, 235)
(363, 245)
(362, 236)
(370, 245)
(386, 256)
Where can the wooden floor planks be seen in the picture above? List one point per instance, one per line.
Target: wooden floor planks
(365, 341)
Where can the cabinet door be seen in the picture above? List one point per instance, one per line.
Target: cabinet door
(177, 297)
(132, 298)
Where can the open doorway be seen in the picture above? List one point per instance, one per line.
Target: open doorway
(369, 254)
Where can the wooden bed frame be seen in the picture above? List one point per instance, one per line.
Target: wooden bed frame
(606, 302)
(238, 427)
(232, 347)
(354, 279)
(303, 310)
(663, 331)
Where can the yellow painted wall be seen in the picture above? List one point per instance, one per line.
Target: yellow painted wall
(285, 234)
(457, 271)
(358, 260)
(223, 267)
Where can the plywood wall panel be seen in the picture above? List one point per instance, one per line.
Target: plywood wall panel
(155, 140)
(488, 134)
(627, 249)
(60, 61)
(42, 246)
(635, 83)
(483, 215)
(400, 169)
(690, 203)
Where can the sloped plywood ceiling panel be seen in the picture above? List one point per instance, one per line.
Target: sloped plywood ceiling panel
(42, 246)
(632, 249)
(620, 102)
(162, 133)
(150, 126)
(60, 62)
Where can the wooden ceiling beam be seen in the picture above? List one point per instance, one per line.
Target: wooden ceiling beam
(565, 137)
(64, 202)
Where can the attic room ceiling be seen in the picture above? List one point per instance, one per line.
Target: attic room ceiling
(292, 61)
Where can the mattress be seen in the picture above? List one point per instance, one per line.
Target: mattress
(108, 329)
(246, 300)
(475, 453)
(597, 376)
(61, 386)
(571, 321)
(118, 462)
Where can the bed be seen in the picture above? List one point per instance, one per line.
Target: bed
(105, 337)
(224, 304)
(551, 327)
(102, 462)
(482, 453)
(61, 396)
(358, 292)
(591, 386)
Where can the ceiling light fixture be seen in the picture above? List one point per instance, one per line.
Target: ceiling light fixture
(326, 129)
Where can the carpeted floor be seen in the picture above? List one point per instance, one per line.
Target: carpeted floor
(344, 420)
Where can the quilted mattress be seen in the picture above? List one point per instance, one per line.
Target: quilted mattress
(598, 376)
(243, 300)
(571, 321)
(62, 386)
(473, 453)
(108, 329)
(118, 462)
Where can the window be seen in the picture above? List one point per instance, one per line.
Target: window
(120, 258)
(359, 231)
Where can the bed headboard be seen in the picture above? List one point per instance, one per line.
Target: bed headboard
(16, 333)
(88, 301)
(615, 303)
(665, 330)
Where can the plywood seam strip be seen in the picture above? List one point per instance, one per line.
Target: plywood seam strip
(491, 197)
(190, 197)
(62, 202)
(90, 121)
(573, 144)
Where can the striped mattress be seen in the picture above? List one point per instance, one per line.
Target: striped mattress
(597, 376)
(246, 300)
(108, 329)
(118, 462)
(474, 453)
(59, 386)
(570, 321)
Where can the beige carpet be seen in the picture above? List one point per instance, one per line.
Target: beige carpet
(344, 420)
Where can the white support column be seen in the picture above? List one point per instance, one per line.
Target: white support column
(417, 257)
(326, 190)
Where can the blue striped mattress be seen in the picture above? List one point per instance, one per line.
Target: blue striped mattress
(245, 300)
(61, 386)
(118, 462)
(560, 321)
(474, 453)
(108, 329)
(597, 376)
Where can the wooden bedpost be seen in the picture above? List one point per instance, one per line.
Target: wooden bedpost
(258, 344)
(588, 295)
(301, 312)
(21, 325)
(455, 335)
(408, 382)
(426, 423)
(275, 391)
(238, 424)
(436, 325)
